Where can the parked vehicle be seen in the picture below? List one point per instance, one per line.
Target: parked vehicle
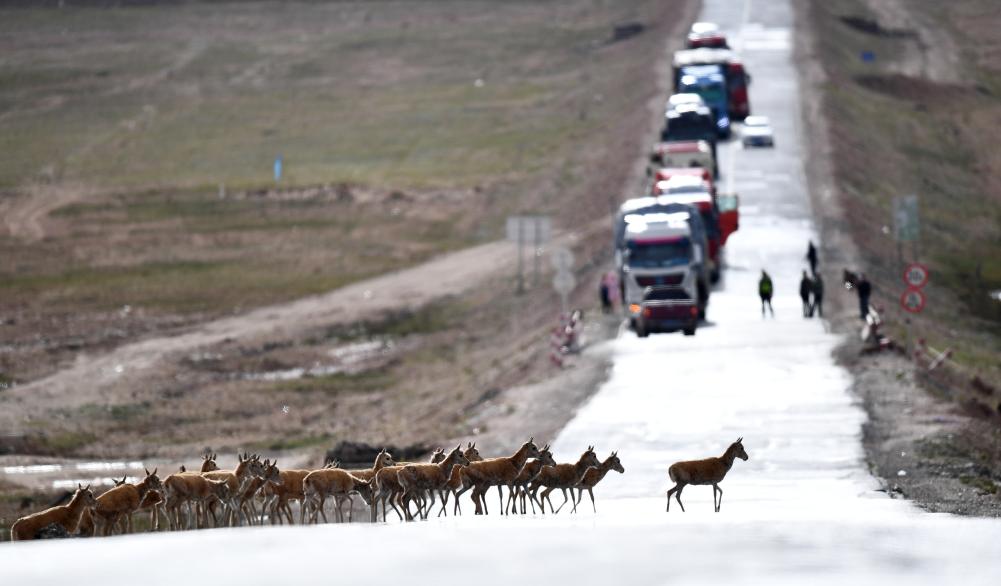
(694, 153)
(719, 224)
(709, 82)
(657, 249)
(646, 209)
(706, 34)
(666, 173)
(737, 78)
(688, 122)
(667, 309)
(757, 132)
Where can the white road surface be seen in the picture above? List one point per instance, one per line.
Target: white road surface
(802, 510)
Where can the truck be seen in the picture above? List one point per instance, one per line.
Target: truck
(692, 153)
(658, 249)
(688, 122)
(737, 78)
(720, 221)
(708, 82)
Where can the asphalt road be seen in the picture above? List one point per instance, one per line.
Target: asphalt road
(803, 509)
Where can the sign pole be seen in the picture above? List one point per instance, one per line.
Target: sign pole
(535, 252)
(521, 245)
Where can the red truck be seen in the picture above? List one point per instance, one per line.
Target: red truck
(720, 215)
(737, 79)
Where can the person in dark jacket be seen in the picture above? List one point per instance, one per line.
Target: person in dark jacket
(805, 291)
(811, 255)
(818, 296)
(765, 292)
(864, 289)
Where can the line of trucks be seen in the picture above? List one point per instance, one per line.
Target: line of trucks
(669, 242)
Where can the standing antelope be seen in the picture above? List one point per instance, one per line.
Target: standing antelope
(594, 476)
(386, 487)
(68, 516)
(498, 472)
(247, 468)
(418, 479)
(118, 503)
(519, 488)
(563, 477)
(702, 472)
(458, 480)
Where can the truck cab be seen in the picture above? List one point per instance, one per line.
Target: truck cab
(658, 249)
(688, 122)
(709, 82)
(720, 220)
(696, 153)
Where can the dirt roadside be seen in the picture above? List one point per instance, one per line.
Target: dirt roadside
(921, 446)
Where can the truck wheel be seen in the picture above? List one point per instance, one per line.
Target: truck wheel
(702, 313)
(641, 332)
(689, 332)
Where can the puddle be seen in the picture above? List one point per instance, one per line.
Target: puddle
(346, 357)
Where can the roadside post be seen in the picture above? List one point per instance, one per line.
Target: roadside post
(563, 281)
(517, 230)
(907, 229)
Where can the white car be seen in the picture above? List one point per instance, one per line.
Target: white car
(757, 132)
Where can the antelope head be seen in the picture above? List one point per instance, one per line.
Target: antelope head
(437, 456)
(589, 458)
(152, 481)
(530, 448)
(613, 463)
(738, 449)
(546, 456)
(271, 473)
(384, 459)
(457, 457)
(84, 493)
(471, 453)
(119, 482)
(208, 463)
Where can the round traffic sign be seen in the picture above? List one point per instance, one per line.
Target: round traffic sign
(561, 258)
(915, 275)
(913, 300)
(564, 282)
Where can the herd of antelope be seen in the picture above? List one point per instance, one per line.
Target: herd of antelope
(256, 491)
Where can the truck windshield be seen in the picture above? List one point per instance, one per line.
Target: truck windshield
(688, 128)
(660, 254)
(713, 94)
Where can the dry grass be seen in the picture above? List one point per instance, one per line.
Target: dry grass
(896, 134)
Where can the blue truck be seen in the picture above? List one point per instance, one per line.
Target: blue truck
(709, 82)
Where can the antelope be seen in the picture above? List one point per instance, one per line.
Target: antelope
(386, 487)
(154, 501)
(189, 487)
(702, 472)
(563, 477)
(417, 479)
(382, 460)
(120, 502)
(594, 475)
(270, 477)
(519, 488)
(67, 516)
(320, 484)
(498, 472)
(458, 480)
(248, 467)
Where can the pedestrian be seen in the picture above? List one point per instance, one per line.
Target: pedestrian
(606, 298)
(811, 255)
(805, 292)
(864, 289)
(818, 296)
(765, 292)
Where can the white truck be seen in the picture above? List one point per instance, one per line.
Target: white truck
(658, 251)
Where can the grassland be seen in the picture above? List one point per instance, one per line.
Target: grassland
(137, 199)
(921, 118)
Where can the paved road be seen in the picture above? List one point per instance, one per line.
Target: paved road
(801, 510)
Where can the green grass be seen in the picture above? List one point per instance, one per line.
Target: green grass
(362, 382)
(292, 442)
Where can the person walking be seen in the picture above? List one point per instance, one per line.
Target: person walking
(805, 292)
(606, 297)
(864, 289)
(811, 255)
(818, 296)
(765, 292)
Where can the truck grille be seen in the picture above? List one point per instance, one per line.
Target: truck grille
(655, 280)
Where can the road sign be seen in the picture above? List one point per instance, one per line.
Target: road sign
(534, 229)
(913, 300)
(906, 223)
(564, 282)
(561, 258)
(916, 275)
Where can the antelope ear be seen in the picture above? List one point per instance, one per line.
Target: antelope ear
(531, 439)
(147, 470)
(154, 471)
(740, 439)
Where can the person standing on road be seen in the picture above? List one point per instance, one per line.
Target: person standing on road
(765, 292)
(811, 255)
(864, 289)
(606, 297)
(818, 296)
(805, 291)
